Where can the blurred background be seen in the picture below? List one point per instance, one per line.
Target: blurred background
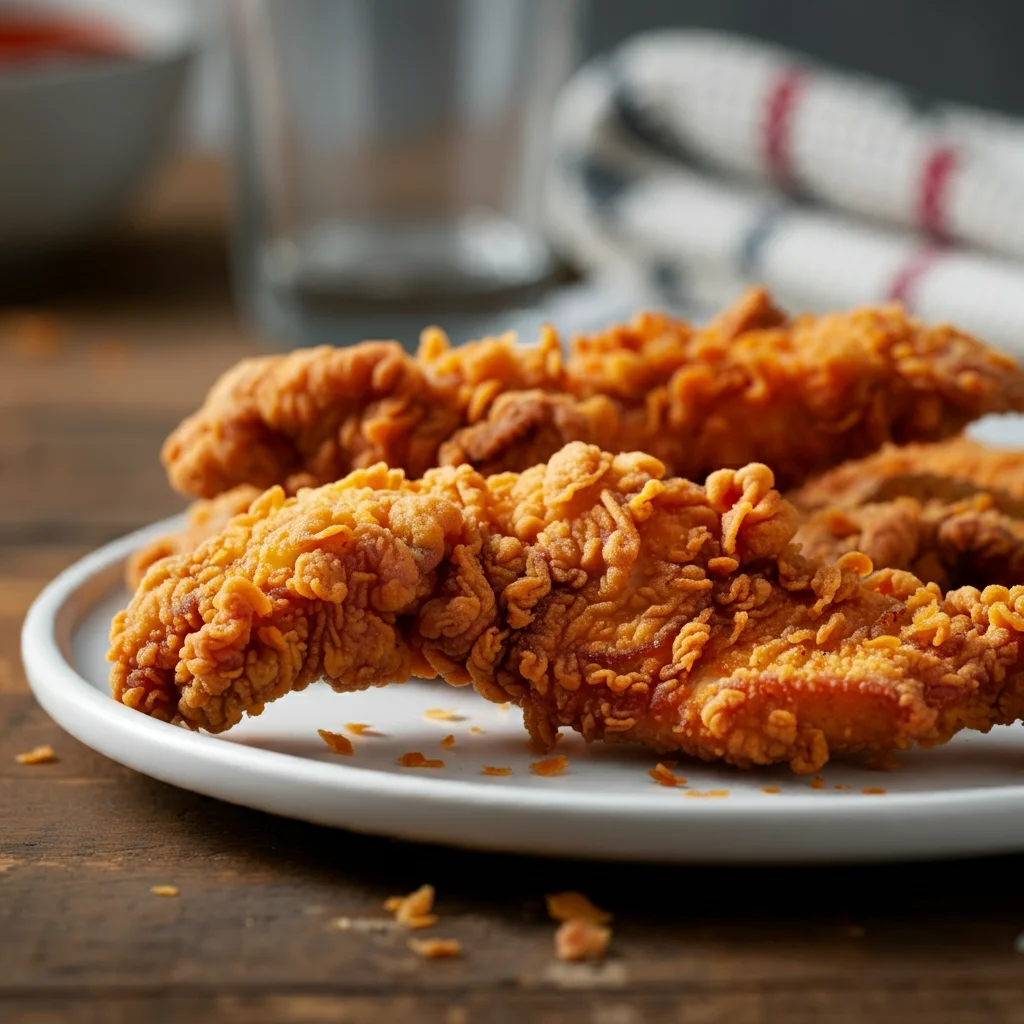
(186, 182)
(370, 167)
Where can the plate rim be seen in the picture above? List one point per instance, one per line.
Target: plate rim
(75, 704)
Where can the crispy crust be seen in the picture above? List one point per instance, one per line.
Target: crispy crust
(801, 395)
(591, 591)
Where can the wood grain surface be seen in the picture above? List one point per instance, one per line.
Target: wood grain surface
(129, 341)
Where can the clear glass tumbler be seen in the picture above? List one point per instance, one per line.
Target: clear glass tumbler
(389, 157)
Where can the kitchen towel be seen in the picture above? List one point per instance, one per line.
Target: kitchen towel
(691, 163)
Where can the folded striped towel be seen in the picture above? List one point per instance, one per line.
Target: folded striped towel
(694, 163)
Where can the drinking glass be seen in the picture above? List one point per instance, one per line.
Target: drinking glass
(389, 157)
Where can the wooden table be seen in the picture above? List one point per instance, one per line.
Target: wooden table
(138, 332)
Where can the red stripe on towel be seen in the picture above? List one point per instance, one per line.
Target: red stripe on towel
(908, 275)
(936, 171)
(778, 120)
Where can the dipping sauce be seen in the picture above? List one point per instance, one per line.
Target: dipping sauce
(28, 38)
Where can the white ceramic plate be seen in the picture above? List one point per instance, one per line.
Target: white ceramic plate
(964, 798)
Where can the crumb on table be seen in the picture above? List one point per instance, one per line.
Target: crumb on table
(413, 911)
(581, 940)
(550, 765)
(338, 743)
(569, 906)
(37, 755)
(434, 949)
(165, 890)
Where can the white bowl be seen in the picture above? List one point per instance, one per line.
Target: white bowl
(78, 137)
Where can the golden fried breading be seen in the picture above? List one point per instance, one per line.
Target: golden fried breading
(800, 395)
(951, 543)
(945, 471)
(314, 415)
(205, 518)
(591, 591)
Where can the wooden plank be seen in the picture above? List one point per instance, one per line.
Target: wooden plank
(813, 1006)
(84, 840)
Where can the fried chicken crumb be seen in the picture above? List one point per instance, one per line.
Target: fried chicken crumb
(770, 789)
(550, 766)
(165, 890)
(37, 755)
(434, 949)
(476, 730)
(413, 911)
(357, 728)
(338, 743)
(579, 939)
(490, 769)
(574, 906)
(872, 790)
(504, 707)
(710, 792)
(443, 715)
(818, 782)
(448, 742)
(841, 789)
(414, 759)
(35, 335)
(664, 776)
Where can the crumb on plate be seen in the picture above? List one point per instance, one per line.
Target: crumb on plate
(872, 790)
(448, 742)
(550, 766)
(710, 792)
(490, 769)
(443, 715)
(570, 906)
(664, 776)
(818, 782)
(770, 789)
(434, 949)
(579, 939)
(338, 743)
(504, 707)
(357, 728)
(476, 730)
(37, 755)
(414, 759)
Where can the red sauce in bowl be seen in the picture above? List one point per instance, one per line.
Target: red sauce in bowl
(27, 38)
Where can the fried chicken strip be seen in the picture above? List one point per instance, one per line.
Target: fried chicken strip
(313, 415)
(593, 592)
(945, 471)
(801, 395)
(951, 543)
